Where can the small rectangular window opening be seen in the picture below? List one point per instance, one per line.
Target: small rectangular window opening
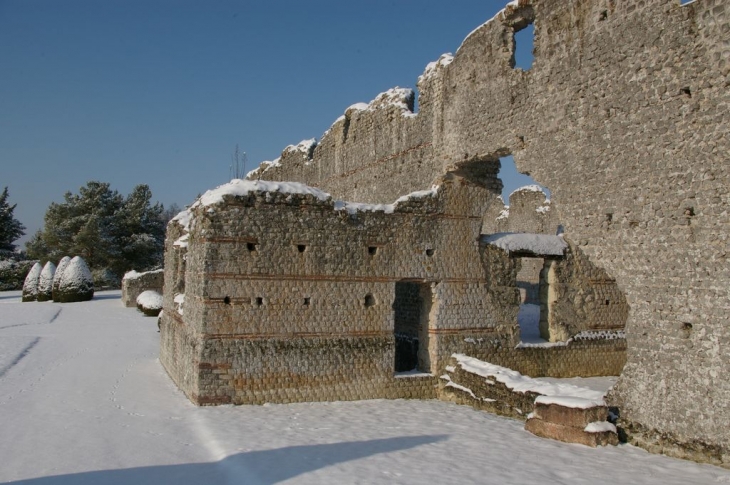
(251, 246)
(307, 301)
(259, 301)
(301, 248)
(524, 45)
(372, 250)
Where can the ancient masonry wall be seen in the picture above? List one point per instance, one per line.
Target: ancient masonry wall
(623, 115)
(284, 297)
(133, 284)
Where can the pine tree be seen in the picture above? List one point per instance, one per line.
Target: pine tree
(10, 228)
(108, 230)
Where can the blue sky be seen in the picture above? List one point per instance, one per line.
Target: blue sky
(160, 92)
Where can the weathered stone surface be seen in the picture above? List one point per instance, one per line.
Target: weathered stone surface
(569, 434)
(570, 416)
(134, 283)
(624, 117)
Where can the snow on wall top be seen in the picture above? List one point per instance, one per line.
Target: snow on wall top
(183, 218)
(133, 275)
(304, 146)
(528, 188)
(539, 244)
(239, 187)
(433, 67)
(565, 394)
(510, 4)
(354, 207)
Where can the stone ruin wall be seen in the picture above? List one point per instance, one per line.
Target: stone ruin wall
(133, 284)
(287, 299)
(276, 296)
(623, 115)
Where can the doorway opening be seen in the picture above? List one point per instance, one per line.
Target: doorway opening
(411, 310)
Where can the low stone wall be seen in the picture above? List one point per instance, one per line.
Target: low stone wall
(135, 283)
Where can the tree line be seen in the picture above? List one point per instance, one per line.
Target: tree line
(110, 231)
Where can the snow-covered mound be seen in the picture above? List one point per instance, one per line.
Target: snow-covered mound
(45, 282)
(76, 282)
(30, 287)
(57, 276)
(150, 303)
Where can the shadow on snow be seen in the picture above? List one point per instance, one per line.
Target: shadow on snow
(250, 468)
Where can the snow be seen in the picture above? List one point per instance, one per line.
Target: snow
(527, 188)
(30, 285)
(183, 218)
(355, 207)
(540, 244)
(150, 299)
(45, 282)
(304, 146)
(84, 400)
(76, 274)
(600, 427)
(357, 107)
(179, 300)
(182, 241)
(503, 214)
(520, 383)
(433, 67)
(393, 97)
(238, 187)
(133, 275)
(571, 401)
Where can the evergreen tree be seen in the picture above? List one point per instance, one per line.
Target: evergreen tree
(108, 230)
(10, 228)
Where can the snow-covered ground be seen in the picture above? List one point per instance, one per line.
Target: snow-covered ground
(84, 400)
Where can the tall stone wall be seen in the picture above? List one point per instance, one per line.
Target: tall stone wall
(623, 115)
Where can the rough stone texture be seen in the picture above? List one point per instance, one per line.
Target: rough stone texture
(133, 284)
(623, 115)
(576, 296)
(569, 434)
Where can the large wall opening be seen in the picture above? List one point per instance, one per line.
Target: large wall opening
(411, 309)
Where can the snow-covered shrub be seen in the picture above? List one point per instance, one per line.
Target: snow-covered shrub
(45, 282)
(150, 303)
(30, 287)
(76, 283)
(57, 277)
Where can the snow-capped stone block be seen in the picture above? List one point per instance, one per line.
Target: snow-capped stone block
(45, 282)
(30, 286)
(135, 283)
(150, 303)
(76, 283)
(57, 276)
(570, 434)
(574, 413)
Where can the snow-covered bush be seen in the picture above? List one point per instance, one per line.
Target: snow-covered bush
(45, 282)
(76, 283)
(150, 303)
(30, 287)
(57, 277)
